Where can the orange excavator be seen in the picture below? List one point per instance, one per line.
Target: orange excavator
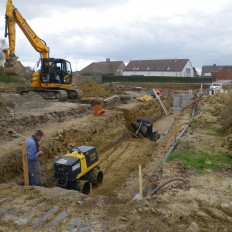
(52, 77)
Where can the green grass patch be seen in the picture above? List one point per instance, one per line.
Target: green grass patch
(194, 122)
(211, 129)
(10, 78)
(202, 159)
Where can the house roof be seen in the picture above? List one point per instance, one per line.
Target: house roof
(211, 68)
(106, 67)
(226, 68)
(168, 65)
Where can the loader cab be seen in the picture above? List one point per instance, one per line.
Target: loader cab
(57, 71)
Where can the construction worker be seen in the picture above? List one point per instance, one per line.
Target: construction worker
(33, 153)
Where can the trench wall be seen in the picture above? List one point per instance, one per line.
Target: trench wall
(104, 132)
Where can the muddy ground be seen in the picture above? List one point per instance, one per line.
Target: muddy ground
(202, 203)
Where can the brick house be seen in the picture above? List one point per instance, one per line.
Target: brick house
(219, 72)
(207, 70)
(225, 73)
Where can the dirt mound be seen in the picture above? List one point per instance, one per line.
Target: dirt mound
(111, 88)
(216, 103)
(14, 68)
(225, 120)
(92, 89)
(11, 103)
(220, 107)
(3, 86)
(78, 79)
(225, 115)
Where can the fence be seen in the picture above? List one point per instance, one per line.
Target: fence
(106, 79)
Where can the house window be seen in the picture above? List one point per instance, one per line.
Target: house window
(167, 68)
(188, 72)
(148, 68)
(137, 68)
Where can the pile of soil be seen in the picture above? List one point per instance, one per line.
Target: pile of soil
(218, 110)
(3, 86)
(78, 79)
(13, 103)
(225, 115)
(114, 89)
(92, 89)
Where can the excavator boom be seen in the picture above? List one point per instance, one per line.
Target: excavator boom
(13, 17)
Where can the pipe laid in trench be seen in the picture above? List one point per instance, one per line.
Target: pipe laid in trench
(155, 190)
(152, 190)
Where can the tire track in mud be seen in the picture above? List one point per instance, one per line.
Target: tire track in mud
(23, 211)
(121, 160)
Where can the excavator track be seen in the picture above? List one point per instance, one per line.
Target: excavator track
(50, 94)
(73, 93)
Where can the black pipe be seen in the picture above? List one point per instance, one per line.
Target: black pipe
(171, 149)
(155, 190)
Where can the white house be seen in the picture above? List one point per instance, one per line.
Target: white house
(168, 68)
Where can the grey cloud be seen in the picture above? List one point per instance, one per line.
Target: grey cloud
(43, 8)
(204, 39)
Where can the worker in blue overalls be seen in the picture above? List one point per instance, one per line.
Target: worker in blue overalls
(33, 153)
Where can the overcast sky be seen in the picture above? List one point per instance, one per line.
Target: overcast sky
(84, 31)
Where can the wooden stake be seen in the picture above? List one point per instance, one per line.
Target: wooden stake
(91, 190)
(25, 165)
(140, 183)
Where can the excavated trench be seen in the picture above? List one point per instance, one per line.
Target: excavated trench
(119, 151)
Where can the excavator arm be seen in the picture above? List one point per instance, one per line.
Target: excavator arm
(14, 17)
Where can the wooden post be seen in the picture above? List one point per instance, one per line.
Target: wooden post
(25, 165)
(140, 183)
(91, 190)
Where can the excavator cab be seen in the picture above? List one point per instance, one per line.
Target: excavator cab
(52, 73)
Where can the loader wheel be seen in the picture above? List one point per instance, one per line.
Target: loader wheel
(84, 187)
(99, 178)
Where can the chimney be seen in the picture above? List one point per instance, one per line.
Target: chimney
(107, 59)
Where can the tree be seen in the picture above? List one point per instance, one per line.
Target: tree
(2, 46)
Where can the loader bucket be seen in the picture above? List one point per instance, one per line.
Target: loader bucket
(14, 68)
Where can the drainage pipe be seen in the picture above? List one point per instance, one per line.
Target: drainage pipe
(155, 190)
(153, 187)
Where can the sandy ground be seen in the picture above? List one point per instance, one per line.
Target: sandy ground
(204, 203)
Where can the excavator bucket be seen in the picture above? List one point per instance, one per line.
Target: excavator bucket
(14, 67)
